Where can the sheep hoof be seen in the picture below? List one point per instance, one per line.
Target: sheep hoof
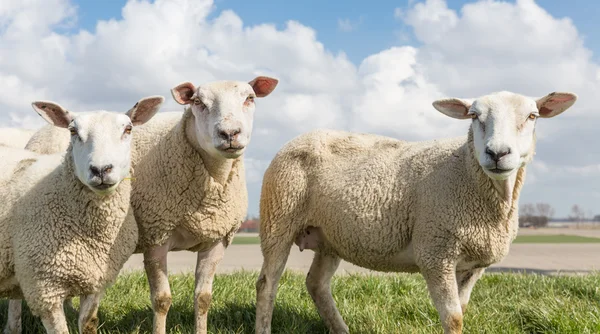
(308, 238)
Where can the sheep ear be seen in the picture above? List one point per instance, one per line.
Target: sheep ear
(53, 113)
(183, 93)
(555, 103)
(453, 107)
(145, 109)
(263, 86)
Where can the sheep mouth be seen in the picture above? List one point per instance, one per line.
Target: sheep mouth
(499, 172)
(103, 186)
(231, 149)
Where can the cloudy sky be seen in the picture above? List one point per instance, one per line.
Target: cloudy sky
(371, 66)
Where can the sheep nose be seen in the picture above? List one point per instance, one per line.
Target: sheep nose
(101, 171)
(496, 156)
(229, 135)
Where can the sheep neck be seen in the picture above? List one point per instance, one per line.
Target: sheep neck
(73, 190)
(503, 193)
(219, 168)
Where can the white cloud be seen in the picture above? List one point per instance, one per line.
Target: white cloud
(488, 46)
(347, 25)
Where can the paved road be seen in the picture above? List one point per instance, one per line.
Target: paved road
(540, 258)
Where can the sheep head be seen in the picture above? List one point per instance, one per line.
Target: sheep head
(223, 112)
(100, 141)
(503, 126)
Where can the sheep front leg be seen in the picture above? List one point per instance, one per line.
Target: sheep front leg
(54, 320)
(155, 264)
(466, 281)
(442, 286)
(206, 266)
(88, 313)
(13, 324)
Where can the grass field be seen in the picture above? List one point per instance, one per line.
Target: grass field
(501, 303)
(244, 240)
(555, 239)
(522, 239)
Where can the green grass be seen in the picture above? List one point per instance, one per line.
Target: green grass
(554, 239)
(501, 303)
(521, 239)
(238, 240)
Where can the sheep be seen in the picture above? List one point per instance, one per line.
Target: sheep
(67, 226)
(190, 189)
(15, 137)
(446, 208)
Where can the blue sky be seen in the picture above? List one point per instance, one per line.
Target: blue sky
(395, 68)
(377, 27)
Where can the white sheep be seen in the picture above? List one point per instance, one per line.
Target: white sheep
(447, 208)
(15, 137)
(190, 190)
(66, 223)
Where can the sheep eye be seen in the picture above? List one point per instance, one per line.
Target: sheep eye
(128, 129)
(198, 102)
(73, 131)
(250, 98)
(532, 116)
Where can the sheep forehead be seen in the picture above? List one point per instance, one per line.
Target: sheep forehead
(222, 90)
(505, 104)
(101, 123)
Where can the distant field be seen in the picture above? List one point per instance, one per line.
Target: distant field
(557, 239)
(242, 240)
(501, 303)
(521, 239)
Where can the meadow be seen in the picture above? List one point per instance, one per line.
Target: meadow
(391, 303)
(521, 239)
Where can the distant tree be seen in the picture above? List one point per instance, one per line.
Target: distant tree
(597, 218)
(577, 214)
(528, 209)
(535, 215)
(544, 210)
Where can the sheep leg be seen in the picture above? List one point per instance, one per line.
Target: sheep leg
(318, 283)
(206, 266)
(155, 264)
(442, 286)
(275, 254)
(466, 281)
(88, 313)
(13, 324)
(54, 320)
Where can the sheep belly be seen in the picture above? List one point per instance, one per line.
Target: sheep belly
(312, 238)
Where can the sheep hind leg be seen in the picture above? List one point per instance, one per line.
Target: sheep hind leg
(318, 283)
(88, 313)
(275, 254)
(54, 320)
(13, 324)
(466, 281)
(443, 288)
(206, 266)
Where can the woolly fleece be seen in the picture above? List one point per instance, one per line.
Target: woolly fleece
(13, 137)
(173, 189)
(58, 238)
(171, 186)
(373, 197)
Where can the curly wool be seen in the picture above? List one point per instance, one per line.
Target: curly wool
(173, 188)
(62, 239)
(49, 139)
(14, 137)
(374, 198)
